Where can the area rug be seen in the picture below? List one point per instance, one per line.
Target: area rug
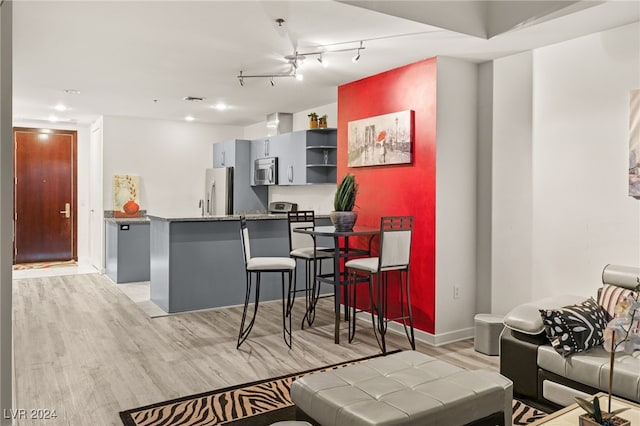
(252, 404)
(43, 265)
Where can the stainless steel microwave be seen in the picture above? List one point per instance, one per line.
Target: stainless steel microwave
(266, 171)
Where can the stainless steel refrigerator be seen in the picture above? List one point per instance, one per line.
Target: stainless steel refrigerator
(218, 191)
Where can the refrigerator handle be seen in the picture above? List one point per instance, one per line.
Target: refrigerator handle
(211, 204)
(223, 158)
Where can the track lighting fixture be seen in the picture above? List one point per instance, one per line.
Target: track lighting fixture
(241, 77)
(357, 57)
(297, 58)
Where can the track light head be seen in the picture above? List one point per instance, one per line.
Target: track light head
(319, 59)
(357, 57)
(241, 79)
(273, 83)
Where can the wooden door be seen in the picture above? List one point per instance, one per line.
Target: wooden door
(45, 195)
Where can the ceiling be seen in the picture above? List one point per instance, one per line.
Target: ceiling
(141, 58)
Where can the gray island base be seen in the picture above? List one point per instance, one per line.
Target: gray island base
(197, 263)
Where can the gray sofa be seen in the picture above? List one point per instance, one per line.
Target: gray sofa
(545, 378)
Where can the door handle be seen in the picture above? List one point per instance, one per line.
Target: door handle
(290, 174)
(67, 210)
(223, 159)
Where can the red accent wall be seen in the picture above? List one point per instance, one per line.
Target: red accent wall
(399, 189)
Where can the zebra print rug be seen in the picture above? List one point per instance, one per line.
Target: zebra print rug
(252, 404)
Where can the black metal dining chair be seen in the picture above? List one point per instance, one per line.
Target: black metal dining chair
(394, 255)
(301, 247)
(257, 266)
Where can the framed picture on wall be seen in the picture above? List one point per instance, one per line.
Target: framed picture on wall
(126, 199)
(381, 140)
(634, 145)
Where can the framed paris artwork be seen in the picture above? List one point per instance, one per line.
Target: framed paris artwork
(381, 140)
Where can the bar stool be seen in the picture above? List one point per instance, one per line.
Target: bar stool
(257, 266)
(301, 247)
(395, 252)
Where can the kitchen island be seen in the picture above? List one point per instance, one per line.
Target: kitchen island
(197, 263)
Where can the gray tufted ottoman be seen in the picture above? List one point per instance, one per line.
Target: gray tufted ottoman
(406, 388)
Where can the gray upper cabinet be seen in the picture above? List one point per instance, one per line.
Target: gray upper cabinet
(224, 154)
(304, 157)
(290, 150)
(262, 148)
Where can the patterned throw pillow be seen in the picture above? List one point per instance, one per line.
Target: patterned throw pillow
(610, 296)
(575, 328)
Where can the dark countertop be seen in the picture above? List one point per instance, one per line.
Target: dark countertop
(248, 216)
(127, 220)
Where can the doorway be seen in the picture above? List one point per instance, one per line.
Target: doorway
(45, 195)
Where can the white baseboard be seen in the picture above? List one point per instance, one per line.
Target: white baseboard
(423, 336)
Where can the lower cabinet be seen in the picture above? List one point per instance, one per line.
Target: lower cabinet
(127, 250)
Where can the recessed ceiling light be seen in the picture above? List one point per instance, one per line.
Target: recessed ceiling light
(52, 118)
(60, 107)
(299, 77)
(72, 91)
(189, 118)
(220, 106)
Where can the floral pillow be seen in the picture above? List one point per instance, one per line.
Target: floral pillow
(575, 328)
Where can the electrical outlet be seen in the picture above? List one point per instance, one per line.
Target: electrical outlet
(456, 292)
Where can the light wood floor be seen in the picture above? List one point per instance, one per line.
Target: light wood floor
(84, 349)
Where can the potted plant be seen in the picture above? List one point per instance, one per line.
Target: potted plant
(322, 122)
(343, 217)
(595, 416)
(621, 334)
(313, 120)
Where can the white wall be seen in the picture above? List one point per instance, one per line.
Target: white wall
(6, 210)
(456, 171)
(169, 156)
(511, 180)
(582, 215)
(484, 184)
(83, 179)
(96, 190)
(309, 197)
